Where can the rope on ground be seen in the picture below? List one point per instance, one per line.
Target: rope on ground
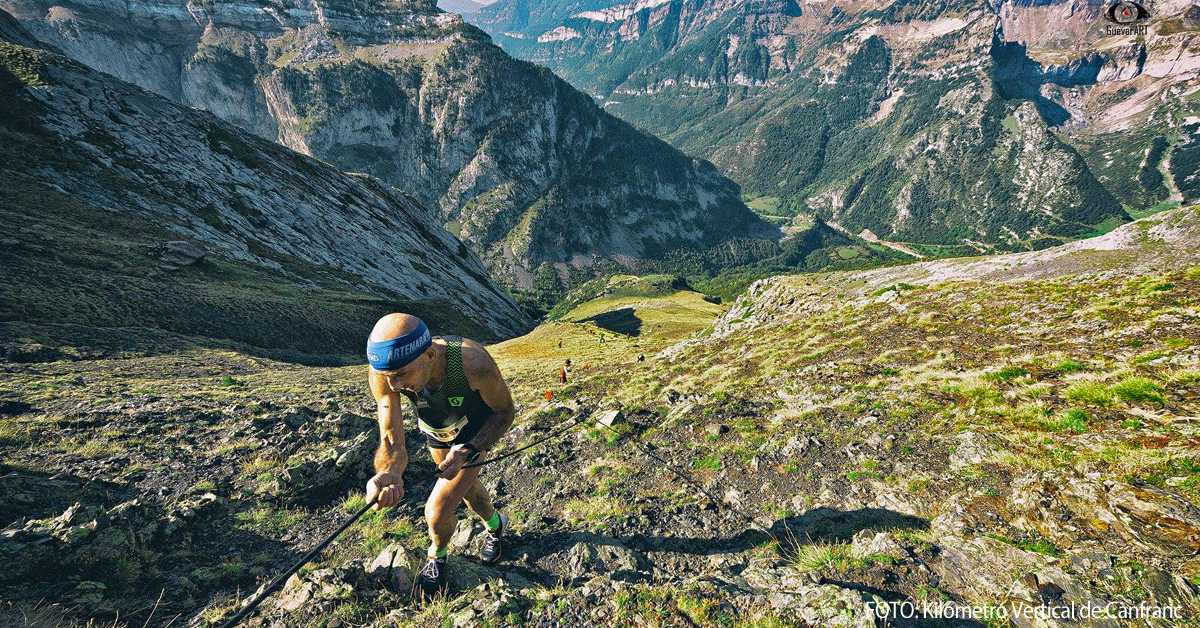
(281, 578)
(686, 477)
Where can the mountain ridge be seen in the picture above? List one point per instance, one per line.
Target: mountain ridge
(79, 139)
(509, 154)
(758, 88)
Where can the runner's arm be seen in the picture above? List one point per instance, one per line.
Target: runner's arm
(392, 455)
(495, 393)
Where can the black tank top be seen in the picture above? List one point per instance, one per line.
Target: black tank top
(455, 408)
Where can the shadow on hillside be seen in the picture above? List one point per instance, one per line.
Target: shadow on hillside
(826, 525)
(622, 321)
(829, 525)
(1019, 77)
(820, 525)
(37, 494)
(33, 344)
(137, 549)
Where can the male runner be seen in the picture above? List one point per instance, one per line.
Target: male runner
(463, 407)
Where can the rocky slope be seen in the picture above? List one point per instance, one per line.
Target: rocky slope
(124, 209)
(1007, 124)
(1015, 433)
(522, 167)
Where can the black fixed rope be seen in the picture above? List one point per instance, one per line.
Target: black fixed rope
(281, 578)
(686, 477)
(579, 419)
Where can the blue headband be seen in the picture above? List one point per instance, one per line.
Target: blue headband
(389, 355)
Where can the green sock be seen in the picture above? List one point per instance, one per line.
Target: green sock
(441, 553)
(493, 524)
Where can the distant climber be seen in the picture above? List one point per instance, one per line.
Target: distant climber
(641, 357)
(601, 338)
(463, 406)
(564, 371)
(560, 344)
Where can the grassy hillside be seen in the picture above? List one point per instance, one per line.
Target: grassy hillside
(978, 431)
(636, 316)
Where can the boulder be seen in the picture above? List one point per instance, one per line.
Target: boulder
(986, 571)
(717, 429)
(296, 593)
(972, 449)
(181, 253)
(590, 554)
(1167, 589)
(394, 567)
(867, 543)
(315, 469)
(1069, 510)
(797, 445)
(326, 583)
(468, 529)
(828, 606)
(1155, 519)
(610, 417)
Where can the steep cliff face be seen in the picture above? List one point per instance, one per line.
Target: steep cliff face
(809, 104)
(109, 148)
(528, 171)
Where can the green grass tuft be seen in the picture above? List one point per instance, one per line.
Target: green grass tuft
(1068, 366)
(1075, 420)
(1090, 393)
(1007, 373)
(1139, 389)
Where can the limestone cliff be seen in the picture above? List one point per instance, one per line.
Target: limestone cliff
(907, 118)
(521, 166)
(72, 135)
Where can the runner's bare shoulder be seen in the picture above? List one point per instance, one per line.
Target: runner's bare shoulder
(477, 362)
